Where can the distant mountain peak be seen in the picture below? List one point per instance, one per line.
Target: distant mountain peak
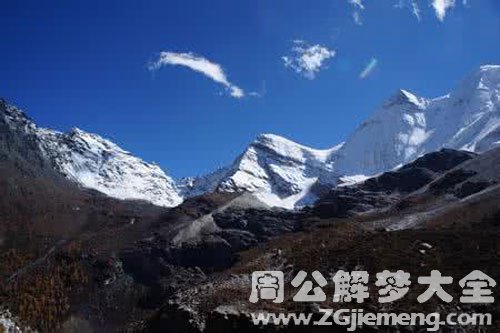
(279, 171)
(92, 139)
(489, 67)
(75, 131)
(404, 97)
(13, 113)
(274, 141)
(408, 126)
(486, 78)
(285, 147)
(90, 160)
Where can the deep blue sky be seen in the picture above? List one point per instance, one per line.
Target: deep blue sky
(84, 64)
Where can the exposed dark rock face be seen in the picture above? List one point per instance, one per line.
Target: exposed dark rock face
(146, 267)
(440, 161)
(469, 188)
(403, 180)
(347, 201)
(238, 239)
(18, 143)
(173, 318)
(235, 230)
(390, 187)
(212, 252)
(263, 224)
(451, 179)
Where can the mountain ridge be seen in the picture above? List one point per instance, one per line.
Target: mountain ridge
(278, 171)
(403, 128)
(91, 160)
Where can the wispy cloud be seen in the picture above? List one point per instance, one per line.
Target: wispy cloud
(442, 6)
(439, 7)
(198, 64)
(415, 9)
(356, 16)
(261, 92)
(358, 6)
(306, 59)
(368, 69)
(357, 3)
(413, 5)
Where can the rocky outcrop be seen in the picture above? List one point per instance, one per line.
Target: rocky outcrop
(391, 187)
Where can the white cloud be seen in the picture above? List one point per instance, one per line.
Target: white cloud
(356, 16)
(236, 92)
(261, 92)
(413, 5)
(358, 6)
(357, 3)
(441, 6)
(415, 9)
(306, 59)
(198, 64)
(368, 68)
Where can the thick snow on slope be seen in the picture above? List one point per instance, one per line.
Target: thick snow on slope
(278, 171)
(408, 126)
(94, 162)
(469, 118)
(392, 135)
(99, 164)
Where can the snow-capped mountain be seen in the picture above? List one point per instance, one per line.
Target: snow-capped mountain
(93, 161)
(97, 163)
(281, 172)
(278, 171)
(407, 126)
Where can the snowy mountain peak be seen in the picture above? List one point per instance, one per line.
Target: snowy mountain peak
(278, 171)
(275, 142)
(76, 132)
(92, 161)
(14, 116)
(94, 140)
(492, 71)
(408, 126)
(290, 149)
(489, 67)
(487, 78)
(403, 97)
(98, 163)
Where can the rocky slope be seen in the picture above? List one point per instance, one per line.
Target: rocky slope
(389, 187)
(439, 212)
(388, 201)
(131, 266)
